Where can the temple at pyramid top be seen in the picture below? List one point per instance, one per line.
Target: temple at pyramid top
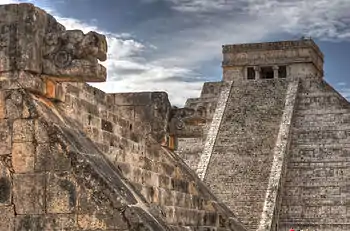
(260, 61)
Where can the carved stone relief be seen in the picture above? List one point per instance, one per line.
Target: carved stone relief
(34, 41)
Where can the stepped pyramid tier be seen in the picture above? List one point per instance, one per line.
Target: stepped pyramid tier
(273, 144)
(75, 158)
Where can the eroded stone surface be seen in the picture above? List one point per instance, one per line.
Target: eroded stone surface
(29, 193)
(5, 137)
(5, 186)
(34, 41)
(7, 218)
(23, 157)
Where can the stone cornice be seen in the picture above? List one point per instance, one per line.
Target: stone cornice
(283, 45)
(276, 54)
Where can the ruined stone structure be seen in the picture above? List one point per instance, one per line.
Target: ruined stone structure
(273, 141)
(266, 146)
(74, 158)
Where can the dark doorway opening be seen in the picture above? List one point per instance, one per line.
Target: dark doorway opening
(250, 73)
(282, 72)
(266, 73)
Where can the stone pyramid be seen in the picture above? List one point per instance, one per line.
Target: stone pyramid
(273, 139)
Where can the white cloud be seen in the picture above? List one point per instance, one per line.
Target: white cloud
(201, 5)
(2, 2)
(206, 41)
(8, 1)
(323, 19)
(341, 84)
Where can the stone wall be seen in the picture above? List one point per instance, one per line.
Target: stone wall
(53, 177)
(206, 103)
(191, 140)
(155, 172)
(316, 194)
(117, 122)
(61, 155)
(240, 165)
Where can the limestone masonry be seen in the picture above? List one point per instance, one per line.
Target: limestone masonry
(265, 149)
(273, 147)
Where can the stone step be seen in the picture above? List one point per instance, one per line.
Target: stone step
(318, 120)
(322, 128)
(320, 111)
(315, 154)
(320, 136)
(213, 130)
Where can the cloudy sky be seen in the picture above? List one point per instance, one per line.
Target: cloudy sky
(175, 45)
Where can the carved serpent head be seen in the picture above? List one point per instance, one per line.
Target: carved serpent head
(74, 54)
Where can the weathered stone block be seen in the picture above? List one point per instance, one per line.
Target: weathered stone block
(179, 199)
(29, 193)
(61, 193)
(5, 186)
(164, 182)
(193, 188)
(23, 130)
(126, 112)
(19, 80)
(7, 218)
(106, 126)
(45, 222)
(5, 137)
(32, 40)
(23, 157)
(14, 104)
(41, 132)
(179, 185)
(124, 99)
(166, 198)
(51, 157)
(8, 33)
(2, 104)
(55, 90)
(151, 194)
(167, 169)
(102, 222)
(35, 84)
(86, 203)
(5, 193)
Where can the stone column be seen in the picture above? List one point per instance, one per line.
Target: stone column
(275, 72)
(257, 72)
